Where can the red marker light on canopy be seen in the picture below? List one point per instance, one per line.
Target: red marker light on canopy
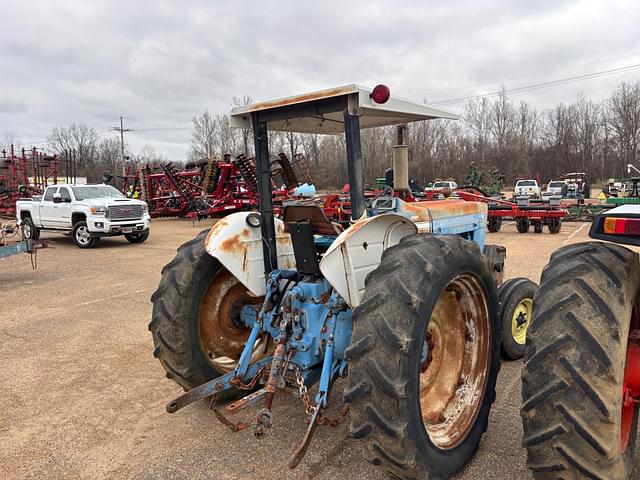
(380, 93)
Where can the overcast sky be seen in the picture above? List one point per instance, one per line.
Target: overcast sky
(159, 63)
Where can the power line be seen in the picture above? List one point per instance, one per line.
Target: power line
(538, 86)
(540, 74)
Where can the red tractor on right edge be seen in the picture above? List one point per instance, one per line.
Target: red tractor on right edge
(581, 376)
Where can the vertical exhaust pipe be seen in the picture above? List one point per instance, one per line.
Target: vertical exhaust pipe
(401, 162)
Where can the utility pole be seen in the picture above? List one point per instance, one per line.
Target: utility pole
(121, 129)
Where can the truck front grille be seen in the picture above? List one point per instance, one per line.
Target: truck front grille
(125, 212)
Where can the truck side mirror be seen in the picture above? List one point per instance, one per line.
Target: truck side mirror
(57, 198)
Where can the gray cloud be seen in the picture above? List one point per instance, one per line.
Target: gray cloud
(159, 63)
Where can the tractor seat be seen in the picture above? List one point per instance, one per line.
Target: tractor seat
(305, 223)
(313, 215)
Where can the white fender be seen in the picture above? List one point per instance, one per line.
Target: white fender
(238, 247)
(358, 250)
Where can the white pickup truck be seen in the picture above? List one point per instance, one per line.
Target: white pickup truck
(88, 212)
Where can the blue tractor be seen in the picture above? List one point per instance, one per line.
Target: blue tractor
(402, 304)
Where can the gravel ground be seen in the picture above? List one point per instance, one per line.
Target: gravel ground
(84, 398)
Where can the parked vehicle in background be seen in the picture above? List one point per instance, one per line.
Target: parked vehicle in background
(87, 211)
(577, 185)
(554, 188)
(528, 188)
(450, 184)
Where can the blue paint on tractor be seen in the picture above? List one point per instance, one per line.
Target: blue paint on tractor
(315, 321)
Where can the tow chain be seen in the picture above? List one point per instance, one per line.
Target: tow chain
(234, 427)
(310, 409)
(236, 382)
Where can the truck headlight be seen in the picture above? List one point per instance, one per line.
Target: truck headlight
(98, 210)
(145, 208)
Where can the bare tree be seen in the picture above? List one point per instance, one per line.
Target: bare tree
(203, 137)
(625, 120)
(477, 117)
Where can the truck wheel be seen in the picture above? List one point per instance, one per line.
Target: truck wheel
(577, 421)
(522, 224)
(196, 331)
(537, 227)
(555, 225)
(515, 297)
(494, 224)
(424, 357)
(81, 236)
(139, 237)
(29, 230)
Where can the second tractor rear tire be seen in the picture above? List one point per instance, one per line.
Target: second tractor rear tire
(572, 381)
(392, 379)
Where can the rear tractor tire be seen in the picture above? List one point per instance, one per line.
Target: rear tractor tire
(515, 297)
(494, 224)
(197, 333)
(522, 224)
(424, 357)
(577, 421)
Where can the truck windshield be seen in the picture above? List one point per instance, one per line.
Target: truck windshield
(556, 184)
(441, 185)
(526, 183)
(87, 192)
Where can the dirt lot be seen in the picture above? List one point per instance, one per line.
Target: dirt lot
(84, 398)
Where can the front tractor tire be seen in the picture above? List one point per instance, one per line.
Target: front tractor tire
(515, 297)
(424, 357)
(576, 422)
(195, 323)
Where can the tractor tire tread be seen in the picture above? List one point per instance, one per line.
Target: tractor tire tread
(574, 363)
(379, 385)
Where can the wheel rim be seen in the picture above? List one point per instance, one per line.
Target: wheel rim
(221, 332)
(520, 320)
(26, 230)
(631, 383)
(82, 235)
(453, 377)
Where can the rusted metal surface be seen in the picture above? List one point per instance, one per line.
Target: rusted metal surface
(221, 331)
(307, 97)
(440, 209)
(239, 248)
(245, 402)
(453, 377)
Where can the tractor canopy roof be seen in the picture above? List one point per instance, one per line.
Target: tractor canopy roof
(322, 111)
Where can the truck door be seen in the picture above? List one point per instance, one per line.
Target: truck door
(47, 211)
(63, 209)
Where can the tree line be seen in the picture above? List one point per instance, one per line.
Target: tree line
(598, 138)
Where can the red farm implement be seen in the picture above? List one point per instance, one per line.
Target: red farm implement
(211, 188)
(26, 172)
(524, 211)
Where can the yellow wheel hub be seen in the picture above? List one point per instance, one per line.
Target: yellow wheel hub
(520, 320)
